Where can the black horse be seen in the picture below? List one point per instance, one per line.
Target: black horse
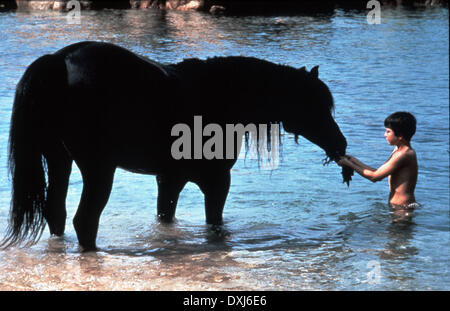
(104, 107)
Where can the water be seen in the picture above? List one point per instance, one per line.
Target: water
(297, 227)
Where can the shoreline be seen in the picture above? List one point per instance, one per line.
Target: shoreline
(234, 7)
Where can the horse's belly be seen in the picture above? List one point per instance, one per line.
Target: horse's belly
(145, 171)
(140, 158)
(189, 168)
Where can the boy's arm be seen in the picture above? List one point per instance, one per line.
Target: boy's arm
(391, 165)
(359, 163)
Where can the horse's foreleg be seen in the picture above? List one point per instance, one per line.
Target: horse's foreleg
(215, 188)
(169, 188)
(59, 166)
(97, 185)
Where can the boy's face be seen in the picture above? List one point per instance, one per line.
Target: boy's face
(390, 137)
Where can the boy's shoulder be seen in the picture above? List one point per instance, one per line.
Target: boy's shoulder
(406, 154)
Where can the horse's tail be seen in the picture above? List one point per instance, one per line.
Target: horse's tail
(34, 98)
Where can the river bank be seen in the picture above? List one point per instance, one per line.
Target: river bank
(213, 6)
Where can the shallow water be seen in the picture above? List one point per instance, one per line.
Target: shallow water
(296, 227)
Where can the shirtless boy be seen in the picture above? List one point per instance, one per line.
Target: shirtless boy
(401, 168)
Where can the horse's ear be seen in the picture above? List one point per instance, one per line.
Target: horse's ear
(303, 69)
(314, 72)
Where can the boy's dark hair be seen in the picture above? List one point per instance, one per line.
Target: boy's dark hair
(402, 123)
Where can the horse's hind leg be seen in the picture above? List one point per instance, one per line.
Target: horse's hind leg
(215, 187)
(169, 188)
(59, 166)
(97, 185)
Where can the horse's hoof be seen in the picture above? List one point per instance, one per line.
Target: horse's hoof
(88, 248)
(166, 219)
(218, 233)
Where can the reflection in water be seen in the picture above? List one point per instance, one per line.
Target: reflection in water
(61, 266)
(400, 233)
(164, 260)
(157, 32)
(59, 244)
(402, 216)
(399, 250)
(397, 231)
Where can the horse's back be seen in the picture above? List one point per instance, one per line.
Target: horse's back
(113, 81)
(105, 65)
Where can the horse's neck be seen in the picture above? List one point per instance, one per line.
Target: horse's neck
(243, 87)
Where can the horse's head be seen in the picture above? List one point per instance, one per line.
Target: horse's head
(309, 114)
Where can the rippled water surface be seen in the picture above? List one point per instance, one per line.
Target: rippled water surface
(293, 228)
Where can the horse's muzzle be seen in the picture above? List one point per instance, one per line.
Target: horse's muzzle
(335, 155)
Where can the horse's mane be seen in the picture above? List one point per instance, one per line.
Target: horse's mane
(251, 66)
(254, 72)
